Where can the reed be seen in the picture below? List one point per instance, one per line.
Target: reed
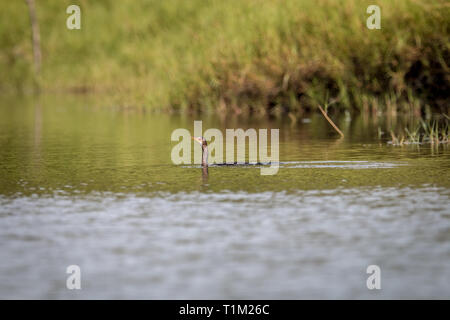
(330, 121)
(434, 132)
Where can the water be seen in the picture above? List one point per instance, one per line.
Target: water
(87, 184)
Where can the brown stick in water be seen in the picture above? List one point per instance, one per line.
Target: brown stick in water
(330, 121)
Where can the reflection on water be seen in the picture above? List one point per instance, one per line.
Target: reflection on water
(94, 186)
(306, 164)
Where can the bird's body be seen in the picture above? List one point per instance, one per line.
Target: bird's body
(204, 145)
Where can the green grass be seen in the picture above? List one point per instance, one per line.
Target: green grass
(269, 56)
(430, 131)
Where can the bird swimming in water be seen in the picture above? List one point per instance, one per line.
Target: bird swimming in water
(204, 144)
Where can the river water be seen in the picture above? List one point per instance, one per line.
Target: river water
(86, 184)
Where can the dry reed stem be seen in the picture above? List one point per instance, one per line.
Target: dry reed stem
(330, 121)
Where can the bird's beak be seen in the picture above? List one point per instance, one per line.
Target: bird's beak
(196, 139)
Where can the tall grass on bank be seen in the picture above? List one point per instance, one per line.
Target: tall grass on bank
(245, 56)
(430, 131)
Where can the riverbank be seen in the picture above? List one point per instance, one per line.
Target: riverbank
(235, 56)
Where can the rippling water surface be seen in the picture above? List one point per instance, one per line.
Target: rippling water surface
(91, 185)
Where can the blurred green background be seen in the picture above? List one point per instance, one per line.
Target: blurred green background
(274, 56)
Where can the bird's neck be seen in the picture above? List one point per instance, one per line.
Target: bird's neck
(205, 156)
